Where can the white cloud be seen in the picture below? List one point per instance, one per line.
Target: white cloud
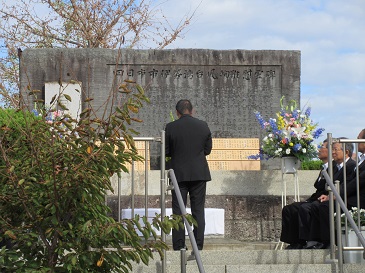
(328, 33)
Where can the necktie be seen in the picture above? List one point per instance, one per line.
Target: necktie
(320, 173)
(361, 159)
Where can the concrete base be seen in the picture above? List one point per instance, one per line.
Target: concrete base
(251, 199)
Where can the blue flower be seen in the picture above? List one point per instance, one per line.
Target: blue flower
(35, 112)
(273, 125)
(318, 132)
(297, 147)
(49, 117)
(308, 112)
(260, 119)
(282, 112)
(255, 157)
(295, 114)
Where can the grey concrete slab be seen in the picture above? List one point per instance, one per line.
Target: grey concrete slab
(236, 183)
(354, 268)
(240, 257)
(288, 268)
(247, 261)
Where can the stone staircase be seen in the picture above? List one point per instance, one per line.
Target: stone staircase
(230, 256)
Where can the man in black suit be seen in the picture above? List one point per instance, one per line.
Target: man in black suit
(291, 222)
(351, 187)
(319, 234)
(188, 142)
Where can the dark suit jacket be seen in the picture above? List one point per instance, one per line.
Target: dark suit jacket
(350, 172)
(351, 188)
(321, 185)
(188, 141)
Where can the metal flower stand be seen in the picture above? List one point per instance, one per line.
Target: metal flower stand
(289, 165)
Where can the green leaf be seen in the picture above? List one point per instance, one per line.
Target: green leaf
(146, 234)
(53, 209)
(54, 220)
(53, 99)
(74, 260)
(67, 97)
(63, 107)
(144, 257)
(140, 89)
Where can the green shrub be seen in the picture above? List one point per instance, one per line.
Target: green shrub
(312, 165)
(53, 179)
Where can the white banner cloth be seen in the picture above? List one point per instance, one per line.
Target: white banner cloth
(214, 218)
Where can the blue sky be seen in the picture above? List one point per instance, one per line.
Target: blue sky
(329, 34)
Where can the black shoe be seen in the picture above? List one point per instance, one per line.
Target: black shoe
(191, 257)
(326, 246)
(321, 246)
(294, 246)
(311, 244)
(180, 248)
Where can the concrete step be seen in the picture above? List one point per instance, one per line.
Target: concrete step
(222, 255)
(242, 257)
(221, 243)
(229, 261)
(354, 268)
(287, 268)
(244, 269)
(250, 260)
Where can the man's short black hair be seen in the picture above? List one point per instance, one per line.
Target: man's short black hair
(184, 107)
(363, 134)
(348, 146)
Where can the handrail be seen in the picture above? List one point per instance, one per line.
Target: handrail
(187, 225)
(344, 140)
(163, 196)
(146, 140)
(341, 204)
(344, 209)
(160, 139)
(164, 188)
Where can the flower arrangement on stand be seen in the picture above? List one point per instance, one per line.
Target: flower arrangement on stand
(350, 239)
(355, 214)
(290, 133)
(58, 120)
(52, 117)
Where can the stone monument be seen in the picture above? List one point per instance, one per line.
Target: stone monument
(225, 86)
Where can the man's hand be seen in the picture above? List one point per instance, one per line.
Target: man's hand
(323, 198)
